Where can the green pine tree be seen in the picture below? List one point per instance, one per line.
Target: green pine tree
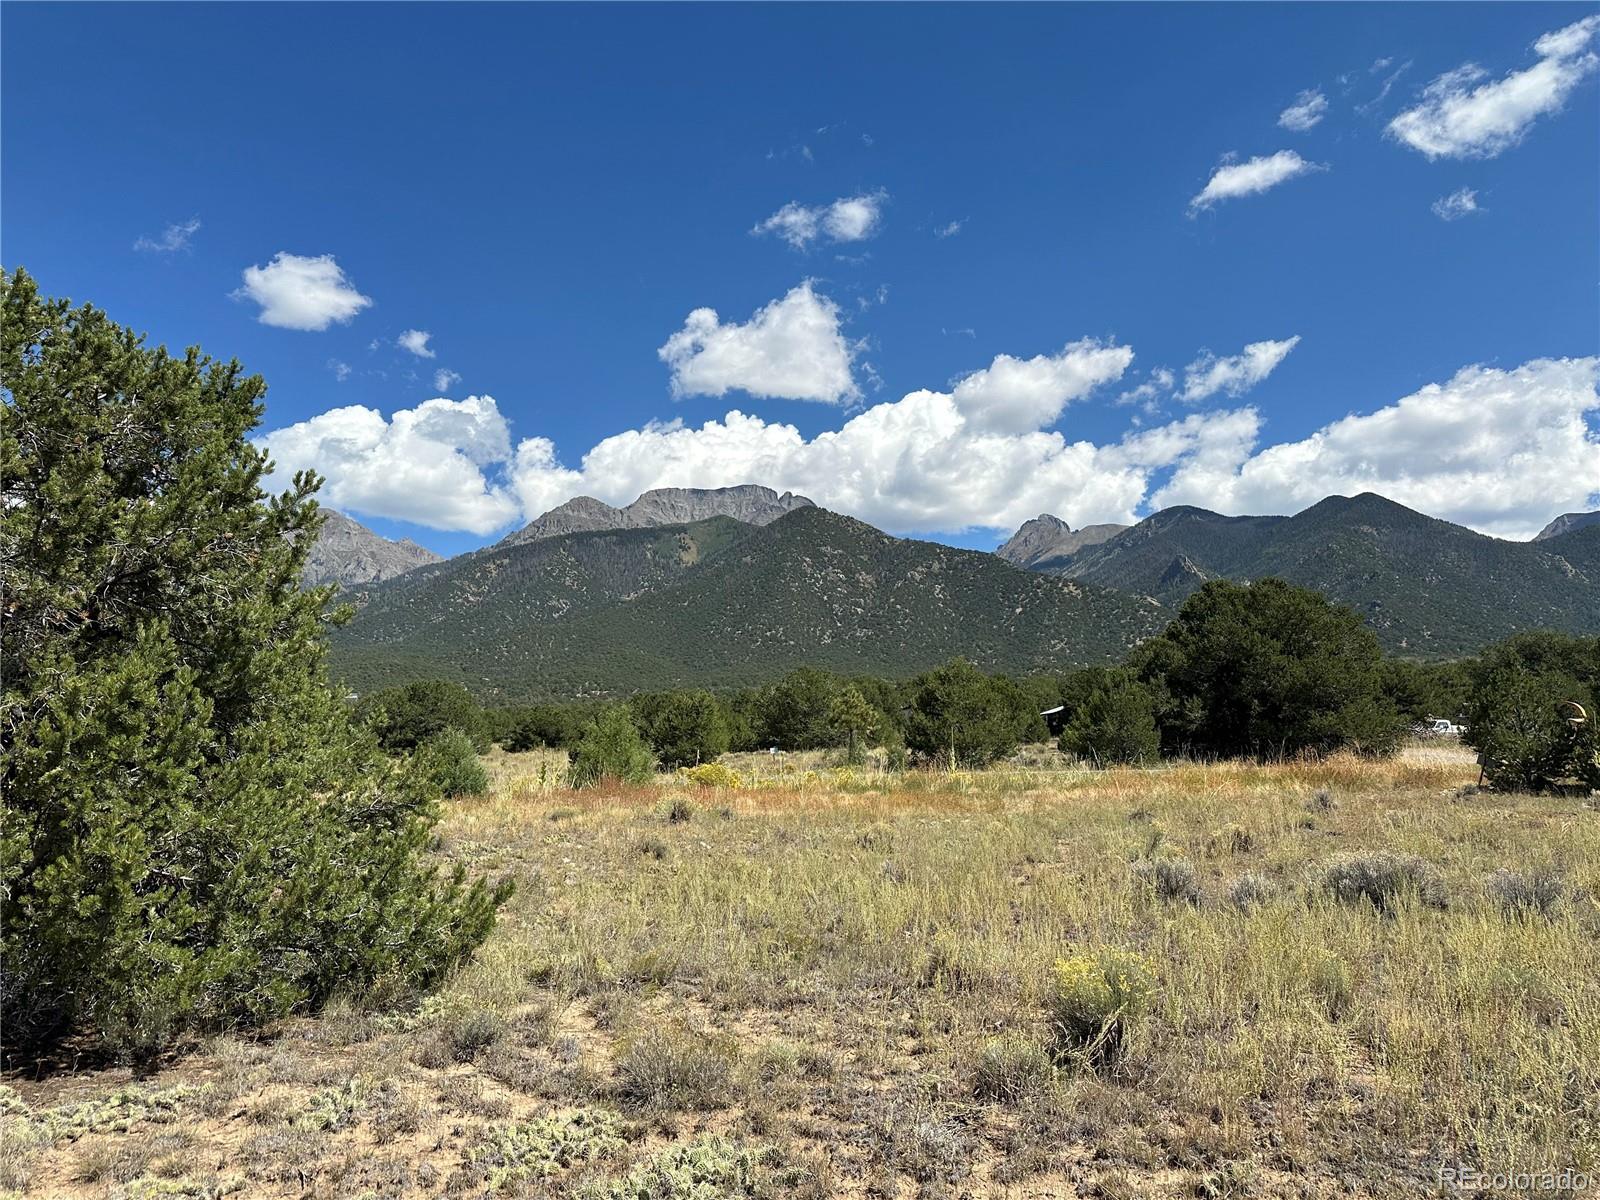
(854, 719)
(1116, 724)
(611, 749)
(194, 829)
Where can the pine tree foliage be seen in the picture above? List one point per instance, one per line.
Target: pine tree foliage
(684, 728)
(1533, 711)
(1116, 724)
(853, 720)
(194, 830)
(962, 717)
(1265, 670)
(611, 751)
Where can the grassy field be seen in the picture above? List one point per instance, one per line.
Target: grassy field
(832, 982)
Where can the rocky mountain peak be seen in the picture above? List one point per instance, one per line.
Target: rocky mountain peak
(747, 502)
(348, 553)
(1566, 523)
(1049, 537)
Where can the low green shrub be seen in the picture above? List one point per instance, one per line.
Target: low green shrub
(449, 759)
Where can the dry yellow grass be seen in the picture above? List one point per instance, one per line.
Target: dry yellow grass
(846, 975)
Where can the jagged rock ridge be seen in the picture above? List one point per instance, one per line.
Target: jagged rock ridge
(348, 553)
(1566, 523)
(747, 502)
(1048, 537)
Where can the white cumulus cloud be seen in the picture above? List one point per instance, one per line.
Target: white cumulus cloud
(1496, 449)
(416, 341)
(791, 349)
(1014, 395)
(1462, 202)
(300, 292)
(1234, 179)
(916, 464)
(433, 464)
(1235, 374)
(444, 379)
(1309, 107)
(1461, 116)
(848, 219)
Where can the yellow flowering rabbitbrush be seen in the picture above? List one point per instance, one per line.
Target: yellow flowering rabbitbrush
(1096, 996)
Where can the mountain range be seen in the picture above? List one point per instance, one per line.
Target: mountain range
(722, 603)
(1426, 587)
(735, 586)
(1046, 540)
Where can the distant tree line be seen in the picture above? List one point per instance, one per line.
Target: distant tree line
(1264, 670)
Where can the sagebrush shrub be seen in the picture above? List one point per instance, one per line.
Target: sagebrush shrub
(473, 1033)
(1095, 997)
(1250, 890)
(1171, 879)
(1540, 892)
(1384, 880)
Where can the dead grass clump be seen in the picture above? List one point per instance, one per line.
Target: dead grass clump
(465, 1094)
(393, 1112)
(283, 1154)
(672, 1066)
(912, 1134)
(1321, 801)
(112, 1161)
(1011, 1067)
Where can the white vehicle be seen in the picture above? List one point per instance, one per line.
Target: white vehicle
(1440, 727)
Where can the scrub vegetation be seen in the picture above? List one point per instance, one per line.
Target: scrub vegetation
(1036, 979)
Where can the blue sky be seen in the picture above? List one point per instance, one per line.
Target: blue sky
(1389, 280)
